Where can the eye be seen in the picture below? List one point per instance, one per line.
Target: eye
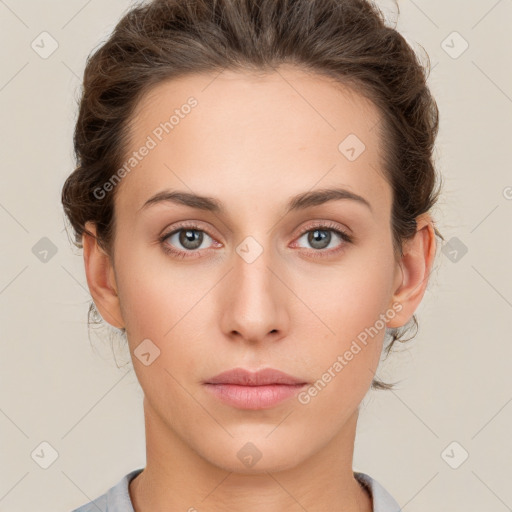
(321, 238)
(186, 240)
(190, 238)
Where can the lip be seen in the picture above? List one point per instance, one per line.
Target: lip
(243, 377)
(253, 390)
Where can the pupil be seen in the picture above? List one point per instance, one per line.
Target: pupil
(318, 236)
(191, 238)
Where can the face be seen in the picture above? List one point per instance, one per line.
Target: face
(305, 287)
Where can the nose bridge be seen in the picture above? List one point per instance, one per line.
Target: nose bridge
(256, 295)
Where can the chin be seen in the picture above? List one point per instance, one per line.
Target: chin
(253, 454)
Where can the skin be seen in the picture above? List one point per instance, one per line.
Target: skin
(252, 142)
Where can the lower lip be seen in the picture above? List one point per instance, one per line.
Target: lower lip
(253, 397)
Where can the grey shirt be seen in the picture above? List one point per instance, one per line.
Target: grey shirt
(117, 498)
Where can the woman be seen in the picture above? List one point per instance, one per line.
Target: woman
(253, 197)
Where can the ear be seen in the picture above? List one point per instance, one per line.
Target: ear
(413, 270)
(101, 278)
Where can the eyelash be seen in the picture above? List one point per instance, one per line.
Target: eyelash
(316, 253)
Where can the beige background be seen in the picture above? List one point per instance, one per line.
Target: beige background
(455, 376)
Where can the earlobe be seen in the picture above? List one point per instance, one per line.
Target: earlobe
(101, 278)
(415, 267)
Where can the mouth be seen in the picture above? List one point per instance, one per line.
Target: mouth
(244, 389)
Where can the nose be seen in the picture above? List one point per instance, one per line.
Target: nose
(255, 297)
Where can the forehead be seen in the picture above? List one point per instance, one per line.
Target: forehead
(252, 137)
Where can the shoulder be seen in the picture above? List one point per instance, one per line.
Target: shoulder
(382, 500)
(116, 499)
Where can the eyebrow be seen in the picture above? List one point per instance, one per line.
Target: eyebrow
(296, 203)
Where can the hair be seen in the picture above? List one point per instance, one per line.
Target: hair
(346, 40)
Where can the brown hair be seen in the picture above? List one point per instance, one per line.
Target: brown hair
(347, 40)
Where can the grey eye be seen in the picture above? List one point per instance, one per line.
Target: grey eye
(190, 239)
(319, 238)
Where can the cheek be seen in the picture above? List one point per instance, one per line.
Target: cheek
(168, 306)
(351, 298)
(351, 305)
(345, 361)
(155, 295)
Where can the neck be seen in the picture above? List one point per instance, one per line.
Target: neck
(177, 478)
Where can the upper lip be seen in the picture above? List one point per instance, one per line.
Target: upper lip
(244, 377)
